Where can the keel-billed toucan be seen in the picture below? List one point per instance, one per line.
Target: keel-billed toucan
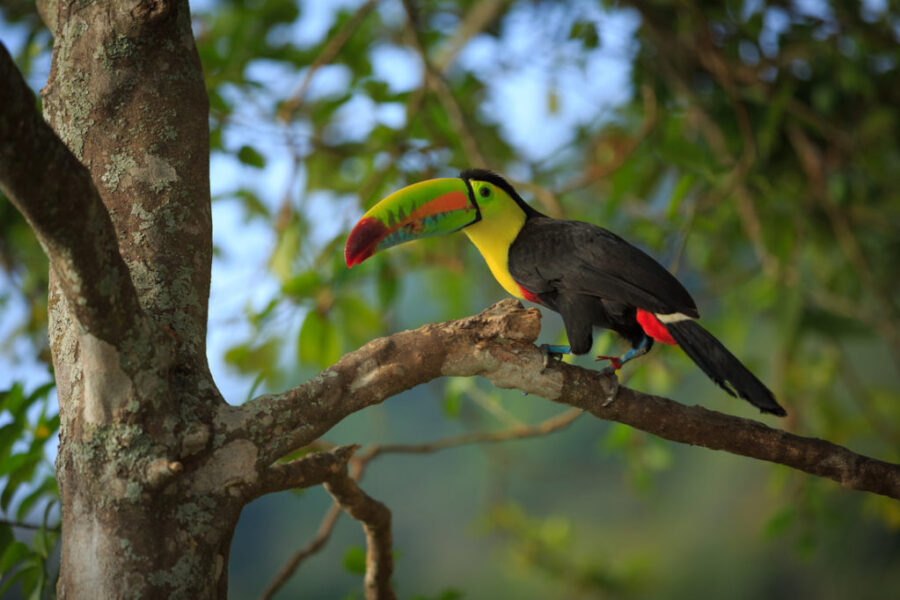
(590, 276)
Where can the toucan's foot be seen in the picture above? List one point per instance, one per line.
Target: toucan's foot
(614, 361)
(551, 353)
(615, 387)
(641, 349)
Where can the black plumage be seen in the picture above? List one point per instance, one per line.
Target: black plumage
(592, 277)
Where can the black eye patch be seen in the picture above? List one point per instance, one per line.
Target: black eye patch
(484, 191)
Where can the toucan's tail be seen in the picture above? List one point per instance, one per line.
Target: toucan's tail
(722, 367)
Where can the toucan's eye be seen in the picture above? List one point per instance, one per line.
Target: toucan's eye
(484, 191)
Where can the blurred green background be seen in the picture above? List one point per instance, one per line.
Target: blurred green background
(752, 147)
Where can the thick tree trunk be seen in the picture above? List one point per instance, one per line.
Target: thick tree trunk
(142, 516)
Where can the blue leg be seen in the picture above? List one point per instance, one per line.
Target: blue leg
(640, 350)
(555, 349)
(553, 352)
(616, 362)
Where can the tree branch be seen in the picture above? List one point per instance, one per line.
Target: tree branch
(317, 543)
(498, 344)
(376, 520)
(554, 423)
(306, 471)
(545, 427)
(65, 212)
(329, 51)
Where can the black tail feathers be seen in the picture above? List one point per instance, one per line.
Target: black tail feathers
(722, 367)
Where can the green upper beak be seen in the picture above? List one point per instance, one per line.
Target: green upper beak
(423, 209)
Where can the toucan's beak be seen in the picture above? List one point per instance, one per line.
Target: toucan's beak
(423, 209)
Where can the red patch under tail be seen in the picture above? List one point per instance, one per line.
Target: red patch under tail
(652, 327)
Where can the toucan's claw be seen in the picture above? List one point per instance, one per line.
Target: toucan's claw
(614, 361)
(551, 353)
(615, 381)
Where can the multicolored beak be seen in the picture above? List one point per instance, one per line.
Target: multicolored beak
(423, 209)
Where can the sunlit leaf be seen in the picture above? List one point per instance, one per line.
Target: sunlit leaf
(249, 156)
(355, 560)
(318, 342)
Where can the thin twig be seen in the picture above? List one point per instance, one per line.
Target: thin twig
(329, 52)
(317, 543)
(22, 525)
(479, 16)
(360, 463)
(434, 80)
(813, 165)
(554, 423)
(376, 520)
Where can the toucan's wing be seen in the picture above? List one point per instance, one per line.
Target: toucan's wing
(555, 255)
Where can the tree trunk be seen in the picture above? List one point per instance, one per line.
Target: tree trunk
(143, 512)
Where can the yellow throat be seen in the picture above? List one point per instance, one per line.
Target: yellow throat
(494, 234)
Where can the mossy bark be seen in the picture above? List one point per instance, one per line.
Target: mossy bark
(126, 95)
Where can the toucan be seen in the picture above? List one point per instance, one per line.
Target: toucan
(589, 275)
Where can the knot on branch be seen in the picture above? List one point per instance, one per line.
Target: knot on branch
(483, 349)
(506, 319)
(152, 11)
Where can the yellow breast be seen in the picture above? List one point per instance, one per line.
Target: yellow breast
(493, 236)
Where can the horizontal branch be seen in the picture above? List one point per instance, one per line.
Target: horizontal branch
(547, 426)
(498, 344)
(306, 471)
(360, 462)
(57, 197)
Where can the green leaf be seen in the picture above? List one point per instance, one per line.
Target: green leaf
(47, 489)
(6, 538)
(448, 594)
(255, 359)
(318, 341)
(832, 324)
(282, 260)
(12, 399)
(302, 286)
(42, 542)
(360, 323)
(780, 522)
(618, 437)
(18, 476)
(42, 391)
(388, 283)
(452, 405)
(684, 185)
(252, 204)
(13, 555)
(355, 560)
(9, 434)
(249, 156)
(586, 33)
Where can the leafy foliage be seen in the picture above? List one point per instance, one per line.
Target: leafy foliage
(31, 421)
(753, 147)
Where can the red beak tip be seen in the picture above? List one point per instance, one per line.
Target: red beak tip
(363, 240)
